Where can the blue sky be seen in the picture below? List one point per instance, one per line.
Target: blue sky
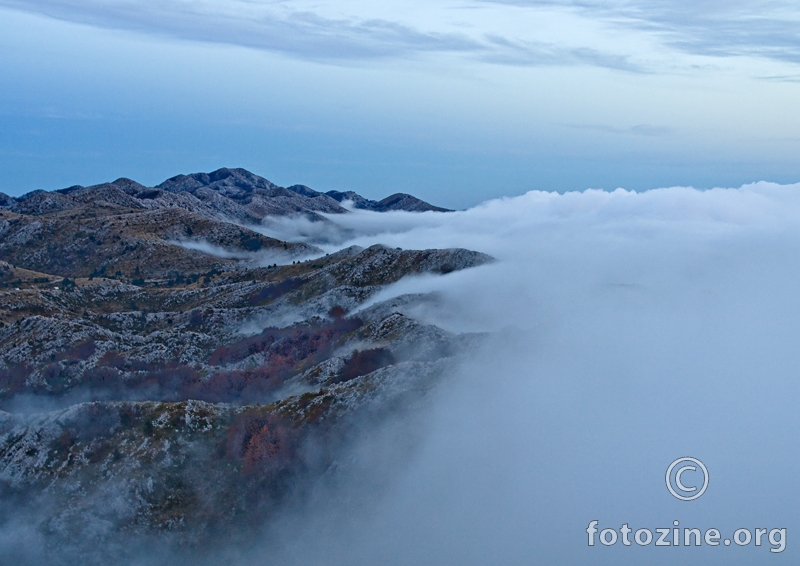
(454, 101)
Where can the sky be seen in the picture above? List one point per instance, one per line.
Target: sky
(453, 101)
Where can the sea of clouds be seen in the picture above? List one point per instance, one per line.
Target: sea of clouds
(624, 330)
(628, 329)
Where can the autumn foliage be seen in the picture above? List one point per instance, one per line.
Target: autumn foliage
(364, 362)
(262, 442)
(284, 352)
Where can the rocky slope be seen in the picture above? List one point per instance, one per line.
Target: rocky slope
(150, 387)
(188, 225)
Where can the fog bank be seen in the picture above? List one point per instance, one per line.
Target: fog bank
(630, 329)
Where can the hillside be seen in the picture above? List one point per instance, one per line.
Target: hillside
(158, 351)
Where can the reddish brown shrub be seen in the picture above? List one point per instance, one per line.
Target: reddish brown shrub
(364, 362)
(261, 442)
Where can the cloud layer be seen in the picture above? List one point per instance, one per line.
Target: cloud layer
(765, 28)
(620, 35)
(631, 329)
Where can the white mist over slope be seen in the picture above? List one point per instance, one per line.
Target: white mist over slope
(633, 329)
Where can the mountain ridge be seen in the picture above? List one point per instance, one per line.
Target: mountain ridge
(226, 193)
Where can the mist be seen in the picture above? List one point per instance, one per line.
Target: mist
(263, 258)
(628, 330)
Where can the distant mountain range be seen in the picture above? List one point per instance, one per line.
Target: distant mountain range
(189, 224)
(225, 194)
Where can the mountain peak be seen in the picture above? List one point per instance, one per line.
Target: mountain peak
(410, 203)
(397, 201)
(223, 178)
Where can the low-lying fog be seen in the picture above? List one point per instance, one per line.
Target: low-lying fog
(632, 329)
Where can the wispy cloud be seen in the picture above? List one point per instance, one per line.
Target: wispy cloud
(302, 30)
(503, 32)
(535, 53)
(761, 28)
(647, 130)
(781, 78)
(272, 27)
(261, 258)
